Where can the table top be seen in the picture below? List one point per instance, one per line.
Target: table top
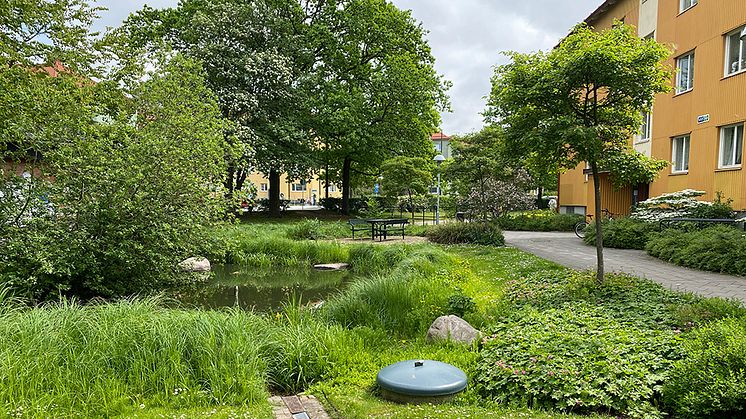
(387, 220)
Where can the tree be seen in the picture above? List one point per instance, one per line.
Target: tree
(406, 176)
(582, 102)
(377, 93)
(107, 185)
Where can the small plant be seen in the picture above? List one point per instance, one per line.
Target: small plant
(488, 234)
(460, 304)
(316, 230)
(682, 204)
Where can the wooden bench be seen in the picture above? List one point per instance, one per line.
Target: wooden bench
(359, 224)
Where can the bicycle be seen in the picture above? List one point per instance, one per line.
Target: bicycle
(580, 226)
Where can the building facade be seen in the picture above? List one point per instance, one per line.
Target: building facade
(699, 126)
(308, 191)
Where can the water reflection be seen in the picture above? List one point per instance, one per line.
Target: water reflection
(262, 289)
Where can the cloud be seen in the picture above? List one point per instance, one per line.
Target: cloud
(466, 37)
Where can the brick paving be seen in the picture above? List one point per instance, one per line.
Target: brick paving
(567, 250)
(297, 407)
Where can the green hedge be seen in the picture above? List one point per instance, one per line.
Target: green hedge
(543, 220)
(718, 249)
(469, 233)
(624, 233)
(710, 382)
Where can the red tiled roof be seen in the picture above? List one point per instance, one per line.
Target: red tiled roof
(439, 136)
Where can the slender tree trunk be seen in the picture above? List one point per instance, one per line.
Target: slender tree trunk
(599, 231)
(241, 178)
(274, 193)
(539, 200)
(229, 181)
(326, 182)
(346, 169)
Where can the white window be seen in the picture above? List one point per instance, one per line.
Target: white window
(438, 147)
(647, 126)
(735, 52)
(299, 187)
(731, 146)
(332, 188)
(680, 154)
(264, 187)
(685, 73)
(686, 5)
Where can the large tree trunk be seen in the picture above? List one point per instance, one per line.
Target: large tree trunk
(346, 169)
(539, 200)
(229, 181)
(599, 231)
(274, 193)
(241, 178)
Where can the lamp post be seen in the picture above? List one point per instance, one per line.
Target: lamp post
(743, 34)
(438, 160)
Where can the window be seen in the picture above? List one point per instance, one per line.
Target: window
(332, 188)
(731, 146)
(438, 147)
(735, 52)
(680, 154)
(686, 5)
(299, 187)
(685, 73)
(646, 128)
(263, 187)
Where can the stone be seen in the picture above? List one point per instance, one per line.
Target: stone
(195, 264)
(452, 328)
(331, 266)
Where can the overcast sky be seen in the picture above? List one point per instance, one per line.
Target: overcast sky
(466, 37)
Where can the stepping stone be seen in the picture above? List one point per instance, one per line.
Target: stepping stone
(331, 266)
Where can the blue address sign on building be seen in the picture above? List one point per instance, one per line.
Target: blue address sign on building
(703, 119)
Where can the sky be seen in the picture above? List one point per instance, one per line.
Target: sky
(466, 37)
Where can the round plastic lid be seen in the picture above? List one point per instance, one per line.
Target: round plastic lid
(422, 378)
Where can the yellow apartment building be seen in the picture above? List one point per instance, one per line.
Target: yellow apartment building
(699, 126)
(299, 190)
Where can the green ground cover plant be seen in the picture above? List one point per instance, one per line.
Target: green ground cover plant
(710, 381)
(718, 249)
(623, 233)
(488, 234)
(539, 220)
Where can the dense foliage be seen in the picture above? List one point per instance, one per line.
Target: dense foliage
(717, 249)
(710, 382)
(541, 220)
(476, 232)
(622, 233)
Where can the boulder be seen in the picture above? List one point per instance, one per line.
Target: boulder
(452, 328)
(195, 264)
(331, 266)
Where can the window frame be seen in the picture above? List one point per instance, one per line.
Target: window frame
(690, 67)
(295, 187)
(647, 122)
(721, 149)
(741, 52)
(687, 143)
(263, 187)
(683, 9)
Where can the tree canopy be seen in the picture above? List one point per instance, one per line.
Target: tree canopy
(583, 102)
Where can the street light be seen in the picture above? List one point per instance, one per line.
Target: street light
(438, 160)
(743, 34)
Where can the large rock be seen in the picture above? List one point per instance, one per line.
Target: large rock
(452, 328)
(195, 264)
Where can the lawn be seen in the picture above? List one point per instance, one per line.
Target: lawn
(556, 343)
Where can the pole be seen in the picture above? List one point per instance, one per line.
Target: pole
(437, 203)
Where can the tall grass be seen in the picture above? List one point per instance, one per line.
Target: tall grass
(102, 360)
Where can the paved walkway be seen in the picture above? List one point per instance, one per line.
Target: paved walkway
(567, 250)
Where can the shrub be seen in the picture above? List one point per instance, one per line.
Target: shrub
(539, 221)
(682, 204)
(488, 234)
(575, 358)
(711, 379)
(623, 233)
(717, 249)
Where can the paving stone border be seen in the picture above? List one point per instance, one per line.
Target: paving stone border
(297, 407)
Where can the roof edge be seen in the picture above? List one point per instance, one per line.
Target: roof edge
(600, 11)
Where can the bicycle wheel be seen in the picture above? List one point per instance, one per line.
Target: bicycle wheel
(580, 229)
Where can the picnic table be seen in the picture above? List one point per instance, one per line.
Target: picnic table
(381, 227)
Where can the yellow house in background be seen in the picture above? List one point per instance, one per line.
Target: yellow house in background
(296, 191)
(699, 126)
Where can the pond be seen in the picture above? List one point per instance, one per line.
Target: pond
(263, 289)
